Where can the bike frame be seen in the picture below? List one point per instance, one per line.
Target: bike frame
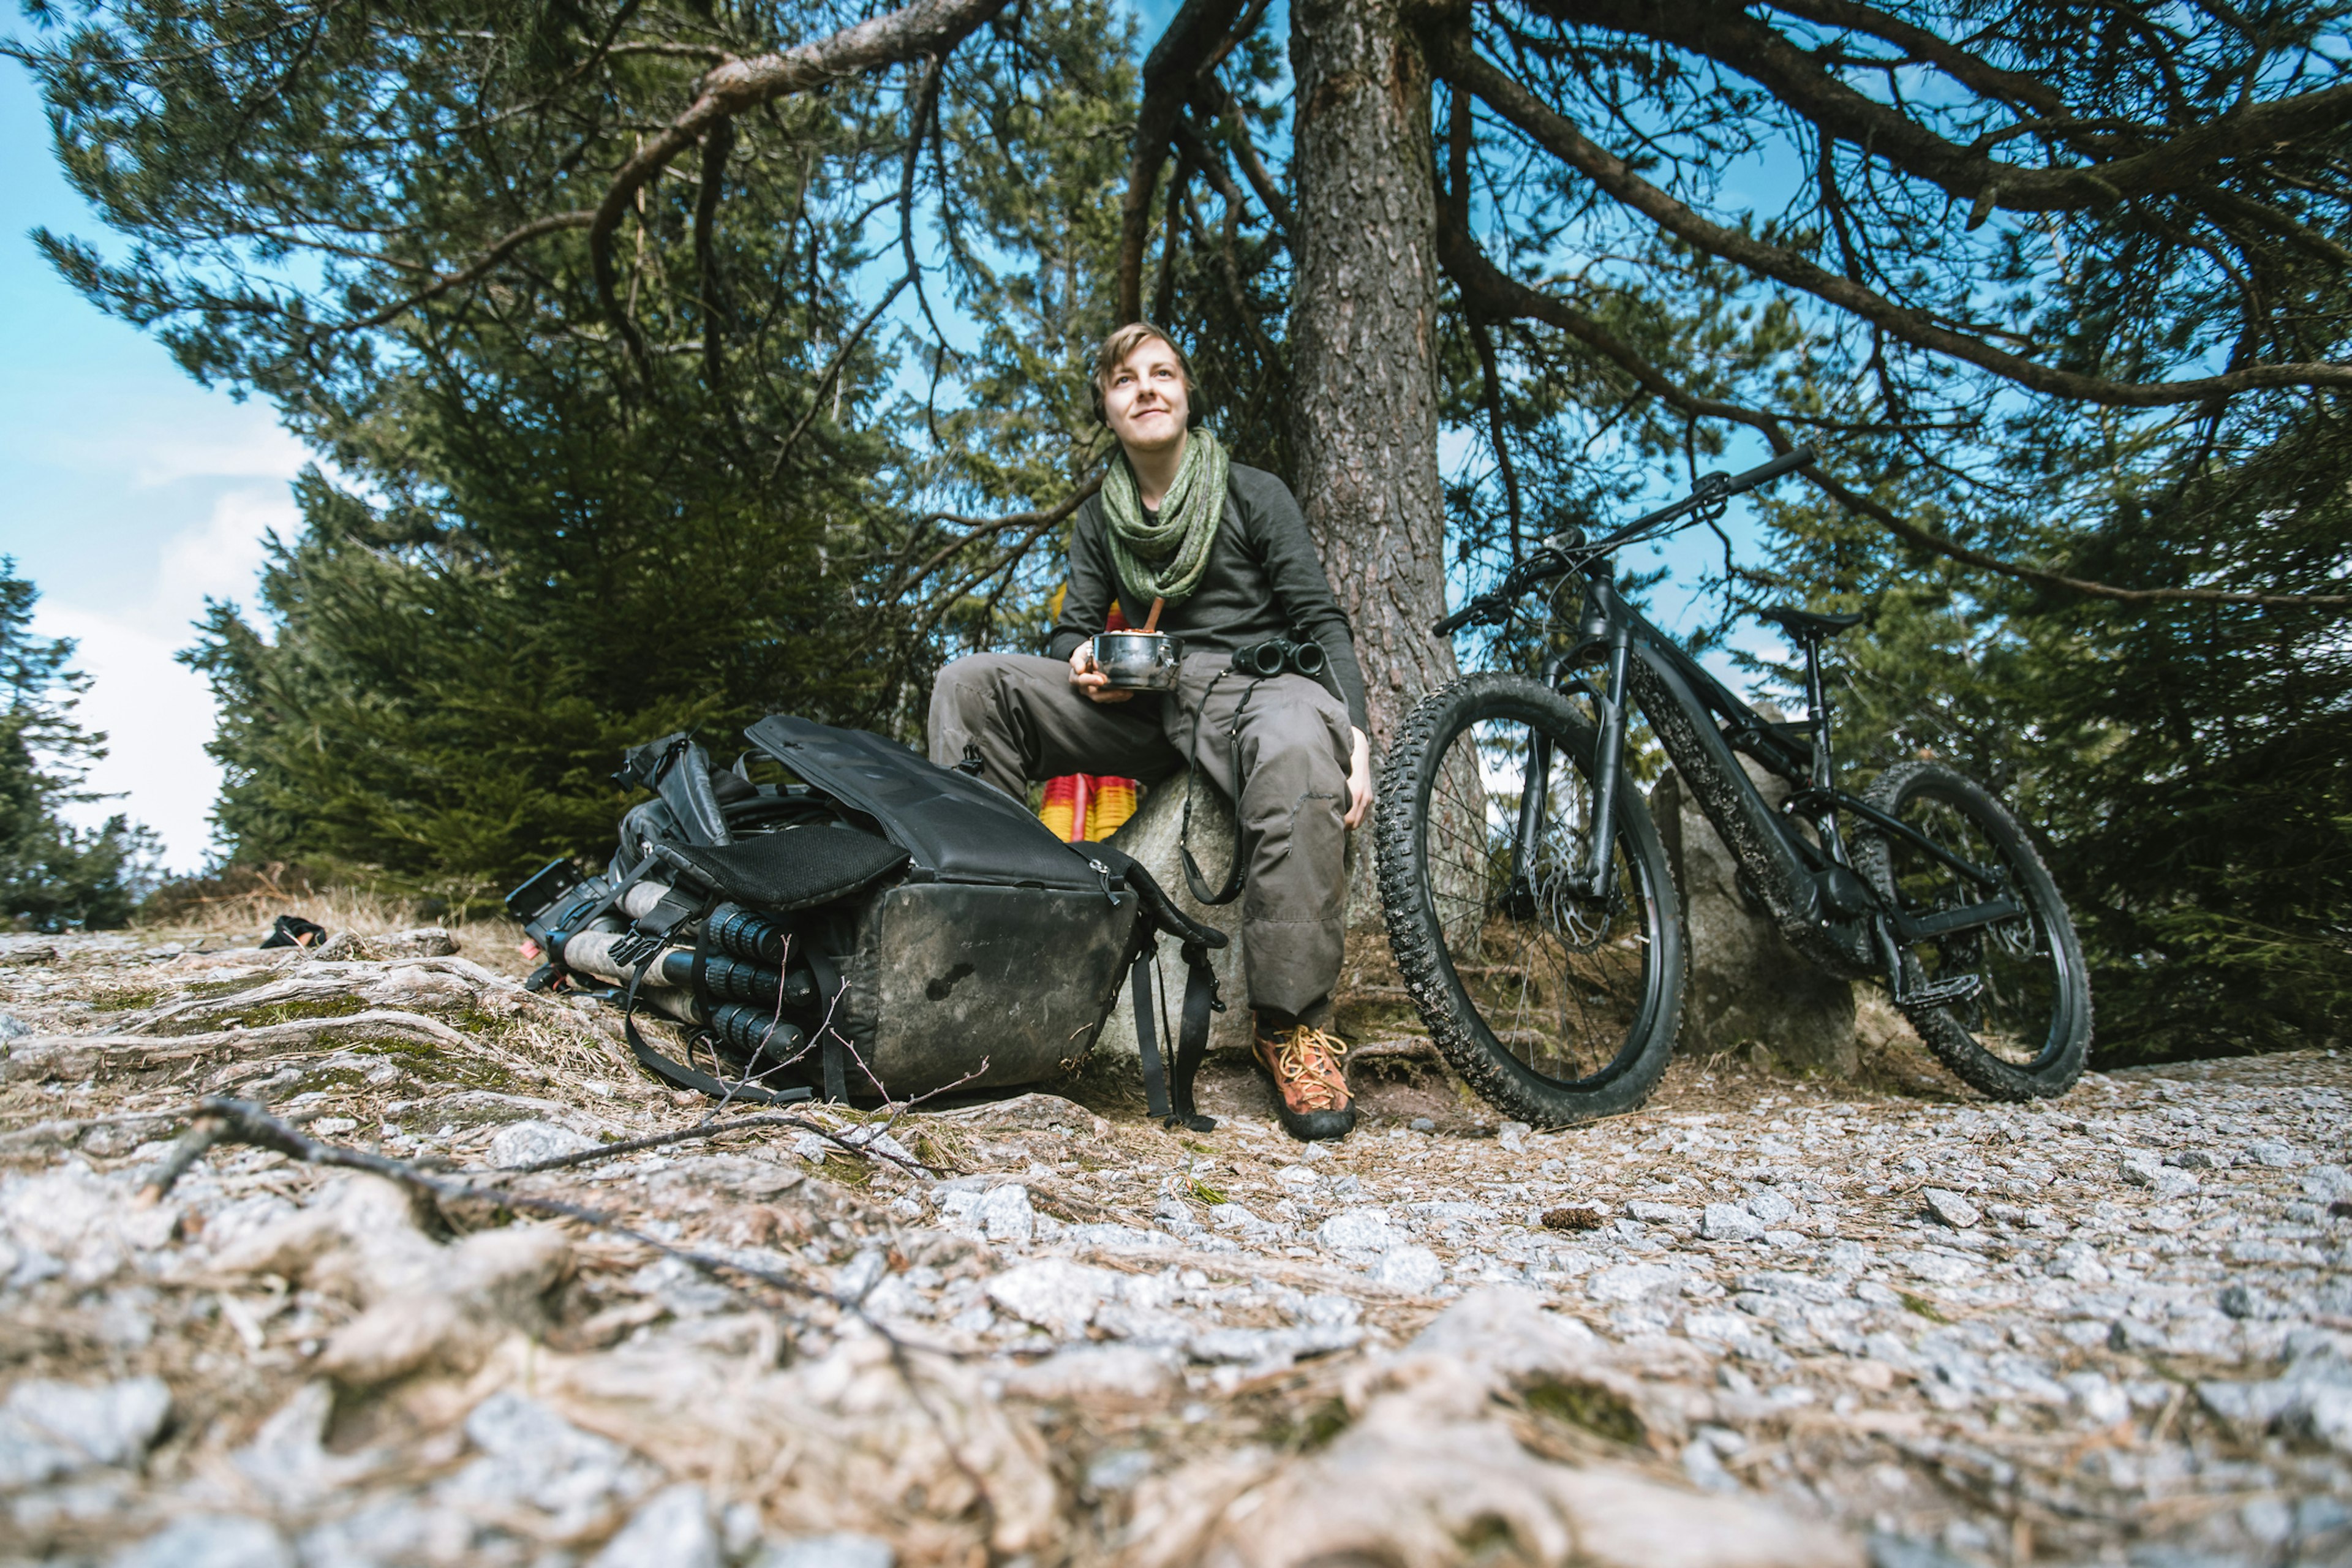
(1806, 880)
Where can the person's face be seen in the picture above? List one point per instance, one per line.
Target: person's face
(1145, 398)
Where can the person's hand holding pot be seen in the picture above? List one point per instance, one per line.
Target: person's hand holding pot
(1089, 679)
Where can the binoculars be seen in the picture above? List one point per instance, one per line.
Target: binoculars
(1277, 655)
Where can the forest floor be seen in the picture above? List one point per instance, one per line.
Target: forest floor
(1761, 1321)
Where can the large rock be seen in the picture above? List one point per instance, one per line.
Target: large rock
(1746, 986)
(1150, 836)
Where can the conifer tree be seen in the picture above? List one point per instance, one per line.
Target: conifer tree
(2046, 283)
(54, 876)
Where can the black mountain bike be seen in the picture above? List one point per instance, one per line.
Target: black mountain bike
(1528, 899)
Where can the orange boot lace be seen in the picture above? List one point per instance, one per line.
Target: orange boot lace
(1304, 1062)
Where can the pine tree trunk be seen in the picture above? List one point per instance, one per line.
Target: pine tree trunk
(1363, 350)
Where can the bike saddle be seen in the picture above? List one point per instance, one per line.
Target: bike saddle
(1806, 624)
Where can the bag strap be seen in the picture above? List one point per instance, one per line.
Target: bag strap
(1156, 914)
(1168, 1088)
(1146, 1040)
(678, 1073)
(830, 1045)
(1200, 999)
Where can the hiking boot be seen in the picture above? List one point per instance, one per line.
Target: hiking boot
(1304, 1062)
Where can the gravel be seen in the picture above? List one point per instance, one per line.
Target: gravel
(2115, 1325)
(1951, 1208)
(673, 1528)
(1731, 1222)
(836, 1550)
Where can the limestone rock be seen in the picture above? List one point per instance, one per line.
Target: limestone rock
(1636, 1281)
(532, 1458)
(1746, 984)
(1053, 1293)
(1150, 836)
(672, 1529)
(1951, 1208)
(209, 1541)
(1002, 1214)
(50, 1429)
(528, 1142)
(1409, 1266)
(841, 1550)
(1359, 1231)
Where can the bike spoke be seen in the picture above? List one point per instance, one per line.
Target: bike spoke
(2012, 1013)
(1556, 977)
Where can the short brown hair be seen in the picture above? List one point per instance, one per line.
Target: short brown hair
(1113, 352)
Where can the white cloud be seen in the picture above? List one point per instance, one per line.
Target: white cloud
(222, 557)
(157, 713)
(161, 443)
(157, 716)
(256, 447)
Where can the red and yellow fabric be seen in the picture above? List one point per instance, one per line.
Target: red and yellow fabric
(1087, 805)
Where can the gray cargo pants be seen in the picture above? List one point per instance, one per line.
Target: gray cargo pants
(1029, 723)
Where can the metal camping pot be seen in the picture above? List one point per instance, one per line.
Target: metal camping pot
(1138, 661)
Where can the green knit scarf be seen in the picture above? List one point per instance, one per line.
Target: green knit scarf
(1164, 558)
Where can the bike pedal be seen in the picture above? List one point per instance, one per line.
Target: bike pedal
(1942, 992)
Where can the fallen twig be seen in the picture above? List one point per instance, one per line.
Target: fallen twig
(201, 1135)
(707, 1130)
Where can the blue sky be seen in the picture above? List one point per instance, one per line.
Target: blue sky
(128, 494)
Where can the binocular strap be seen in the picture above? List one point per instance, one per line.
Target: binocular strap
(1234, 874)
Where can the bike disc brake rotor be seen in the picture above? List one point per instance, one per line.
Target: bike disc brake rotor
(1580, 922)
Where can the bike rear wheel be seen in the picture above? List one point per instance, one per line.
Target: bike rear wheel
(1556, 1008)
(2025, 1032)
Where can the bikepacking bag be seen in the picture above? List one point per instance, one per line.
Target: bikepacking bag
(877, 927)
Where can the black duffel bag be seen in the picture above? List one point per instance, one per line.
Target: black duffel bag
(877, 927)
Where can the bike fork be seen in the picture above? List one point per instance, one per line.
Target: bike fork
(1534, 789)
(1593, 881)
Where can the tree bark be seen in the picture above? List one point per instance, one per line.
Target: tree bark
(1364, 340)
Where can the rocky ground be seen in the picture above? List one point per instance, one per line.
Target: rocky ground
(1763, 1321)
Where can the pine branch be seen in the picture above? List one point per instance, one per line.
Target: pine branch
(737, 85)
(1455, 58)
(1494, 292)
(2168, 160)
(1198, 31)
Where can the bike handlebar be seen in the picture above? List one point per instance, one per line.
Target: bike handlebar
(1555, 559)
(1460, 618)
(1765, 473)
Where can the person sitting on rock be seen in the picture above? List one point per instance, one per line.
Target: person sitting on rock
(1223, 548)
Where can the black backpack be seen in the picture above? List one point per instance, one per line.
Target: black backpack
(881, 927)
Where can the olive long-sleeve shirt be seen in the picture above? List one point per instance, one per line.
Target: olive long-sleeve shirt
(1263, 579)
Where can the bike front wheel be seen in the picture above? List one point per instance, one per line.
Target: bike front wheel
(1556, 1005)
(2025, 1030)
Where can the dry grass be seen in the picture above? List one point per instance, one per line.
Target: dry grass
(241, 909)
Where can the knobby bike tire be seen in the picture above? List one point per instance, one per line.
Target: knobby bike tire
(2044, 989)
(1419, 940)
